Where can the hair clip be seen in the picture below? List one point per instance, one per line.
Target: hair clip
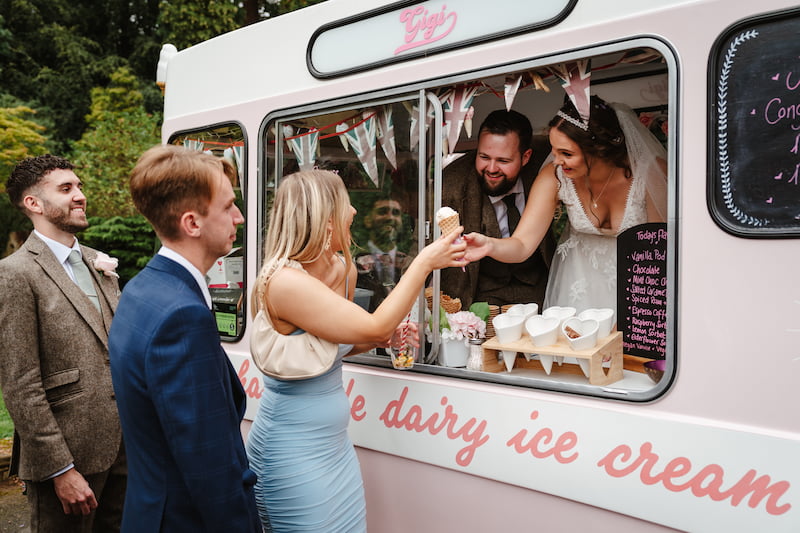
(574, 121)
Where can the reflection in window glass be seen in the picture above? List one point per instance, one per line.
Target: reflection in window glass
(370, 148)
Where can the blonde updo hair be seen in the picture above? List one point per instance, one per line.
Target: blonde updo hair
(304, 203)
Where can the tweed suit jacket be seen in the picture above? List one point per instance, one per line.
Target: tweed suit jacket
(181, 404)
(54, 367)
(462, 191)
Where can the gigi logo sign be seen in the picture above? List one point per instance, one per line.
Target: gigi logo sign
(422, 28)
(387, 35)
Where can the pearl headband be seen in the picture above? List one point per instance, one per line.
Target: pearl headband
(574, 121)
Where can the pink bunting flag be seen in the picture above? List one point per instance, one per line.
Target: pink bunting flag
(363, 140)
(305, 149)
(455, 106)
(386, 134)
(575, 78)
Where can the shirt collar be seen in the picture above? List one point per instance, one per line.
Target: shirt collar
(373, 248)
(59, 250)
(517, 188)
(198, 276)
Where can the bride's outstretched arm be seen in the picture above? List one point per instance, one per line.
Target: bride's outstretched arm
(533, 225)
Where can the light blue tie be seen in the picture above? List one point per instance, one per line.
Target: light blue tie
(83, 277)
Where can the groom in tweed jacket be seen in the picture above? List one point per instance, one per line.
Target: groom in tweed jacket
(504, 164)
(54, 368)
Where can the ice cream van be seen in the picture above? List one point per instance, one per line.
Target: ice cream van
(388, 94)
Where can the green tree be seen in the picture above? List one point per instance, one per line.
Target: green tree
(20, 137)
(188, 22)
(129, 239)
(256, 10)
(119, 131)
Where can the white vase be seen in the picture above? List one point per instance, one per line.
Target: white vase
(453, 352)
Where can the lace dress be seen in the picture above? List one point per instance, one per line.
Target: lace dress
(584, 270)
(309, 478)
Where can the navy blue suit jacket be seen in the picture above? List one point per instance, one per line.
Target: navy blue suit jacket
(180, 403)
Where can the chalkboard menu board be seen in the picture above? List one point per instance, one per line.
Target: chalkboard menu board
(754, 138)
(642, 290)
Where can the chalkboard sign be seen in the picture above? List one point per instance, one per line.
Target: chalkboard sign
(642, 290)
(754, 138)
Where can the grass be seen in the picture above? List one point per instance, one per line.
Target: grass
(6, 426)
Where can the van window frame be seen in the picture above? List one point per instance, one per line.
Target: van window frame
(241, 313)
(355, 101)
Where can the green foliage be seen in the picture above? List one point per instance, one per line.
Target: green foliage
(119, 131)
(129, 239)
(443, 323)
(11, 220)
(481, 310)
(19, 138)
(189, 22)
(6, 425)
(273, 9)
(121, 95)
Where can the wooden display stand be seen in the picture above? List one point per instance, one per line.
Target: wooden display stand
(590, 361)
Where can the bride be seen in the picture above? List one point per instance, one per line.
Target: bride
(609, 173)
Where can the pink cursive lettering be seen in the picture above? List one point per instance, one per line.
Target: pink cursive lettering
(620, 462)
(252, 389)
(537, 445)
(423, 28)
(413, 420)
(775, 111)
(357, 406)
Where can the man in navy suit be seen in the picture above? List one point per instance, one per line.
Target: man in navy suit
(179, 398)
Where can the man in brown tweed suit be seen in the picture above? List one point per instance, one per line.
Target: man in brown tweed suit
(478, 185)
(54, 366)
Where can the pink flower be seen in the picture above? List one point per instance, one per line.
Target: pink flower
(466, 324)
(106, 264)
(646, 119)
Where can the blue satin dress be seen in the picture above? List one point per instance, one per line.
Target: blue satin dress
(309, 478)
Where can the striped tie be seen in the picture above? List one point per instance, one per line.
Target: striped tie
(83, 277)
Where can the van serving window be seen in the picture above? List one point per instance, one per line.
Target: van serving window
(403, 156)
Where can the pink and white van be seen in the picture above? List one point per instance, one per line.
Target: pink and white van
(387, 94)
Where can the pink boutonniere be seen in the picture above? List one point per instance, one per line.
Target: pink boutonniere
(106, 264)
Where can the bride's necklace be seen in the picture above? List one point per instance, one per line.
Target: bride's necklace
(592, 199)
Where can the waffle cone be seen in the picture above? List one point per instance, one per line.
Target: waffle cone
(447, 225)
(450, 305)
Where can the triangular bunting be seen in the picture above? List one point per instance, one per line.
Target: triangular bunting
(386, 134)
(305, 149)
(511, 88)
(363, 140)
(455, 105)
(340, 129)
(575, 78)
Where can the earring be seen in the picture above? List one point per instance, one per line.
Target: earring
(328, 242)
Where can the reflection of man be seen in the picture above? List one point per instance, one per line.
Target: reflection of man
(380, 268)
(180, 400)
(488, 187)
(55, 313)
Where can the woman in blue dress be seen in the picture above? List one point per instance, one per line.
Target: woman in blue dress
(308, 473)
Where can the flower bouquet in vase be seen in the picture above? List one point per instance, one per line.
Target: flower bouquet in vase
(460, 328)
